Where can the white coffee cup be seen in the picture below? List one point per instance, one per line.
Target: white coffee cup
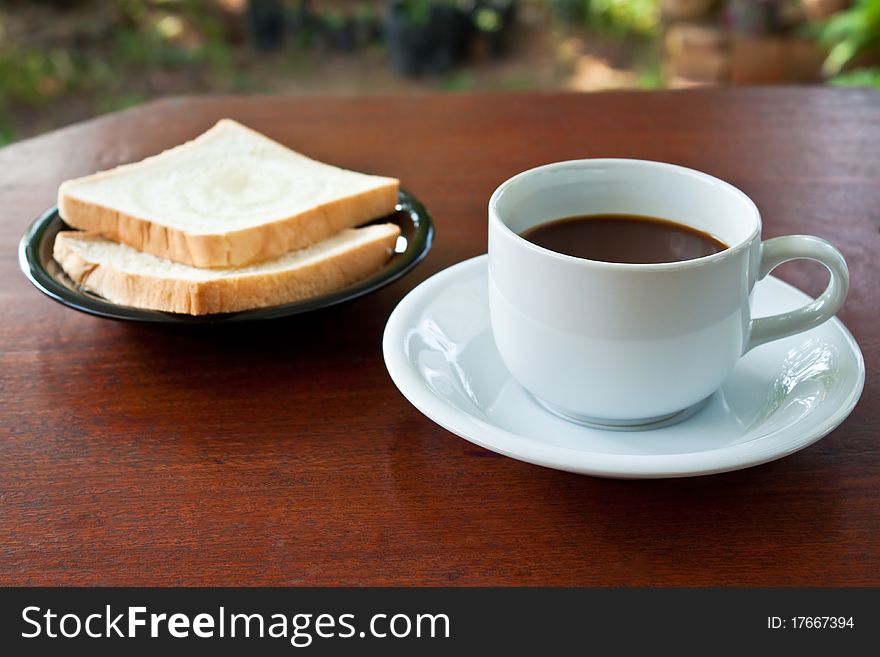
(631, 345)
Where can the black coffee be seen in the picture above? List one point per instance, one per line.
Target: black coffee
(627, 238)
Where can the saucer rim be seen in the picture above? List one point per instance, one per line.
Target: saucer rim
(603, 464)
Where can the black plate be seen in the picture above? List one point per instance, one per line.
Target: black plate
(35, 258)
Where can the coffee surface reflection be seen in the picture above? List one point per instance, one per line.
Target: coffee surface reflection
(624, 238)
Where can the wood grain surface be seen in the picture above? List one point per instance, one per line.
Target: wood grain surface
(282, 454)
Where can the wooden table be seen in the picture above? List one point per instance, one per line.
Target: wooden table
(284, 455)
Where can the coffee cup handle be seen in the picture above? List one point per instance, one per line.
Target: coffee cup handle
(777, 250)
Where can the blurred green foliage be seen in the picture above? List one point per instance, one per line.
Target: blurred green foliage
(860, 77)
(460, 81)
(415, 11)
(652, 77)
(625, 18)
(115, 48)
(115, 54)
(516, 83)
(849, 35)
(620, 18)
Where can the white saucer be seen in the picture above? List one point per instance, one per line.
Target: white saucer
(782, 396)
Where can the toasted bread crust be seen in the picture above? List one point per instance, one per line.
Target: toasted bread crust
(228, 294)
(235, 248)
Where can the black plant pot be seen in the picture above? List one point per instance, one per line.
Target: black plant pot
(340, 33)
(432, 45)
(750, 17)
(493, 21)
(497, 42)
(347, 39)
(265, 20)
(507, 9)
(303, 25)
(367, 30)
(366, 26)
(569, 11)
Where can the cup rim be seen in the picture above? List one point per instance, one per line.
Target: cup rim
(730, 252)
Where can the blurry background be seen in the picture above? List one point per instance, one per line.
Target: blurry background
(65, 60)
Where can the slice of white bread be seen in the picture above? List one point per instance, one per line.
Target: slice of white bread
(133, 278)
(229, 198)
